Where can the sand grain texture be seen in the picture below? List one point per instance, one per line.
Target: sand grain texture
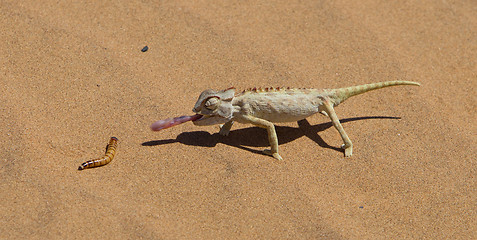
(73, 75)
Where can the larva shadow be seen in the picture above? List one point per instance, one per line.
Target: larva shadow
(244, 138)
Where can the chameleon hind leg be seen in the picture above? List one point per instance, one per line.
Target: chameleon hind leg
(348, 145)
(272, 135)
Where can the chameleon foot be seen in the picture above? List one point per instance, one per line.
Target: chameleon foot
(348, 150)
(223, 131)
(273, 154)
(225, 128)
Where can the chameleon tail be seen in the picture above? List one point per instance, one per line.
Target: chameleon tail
(341, 94)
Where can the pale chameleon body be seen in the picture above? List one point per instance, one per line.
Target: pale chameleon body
(263, 107)
(289, 105)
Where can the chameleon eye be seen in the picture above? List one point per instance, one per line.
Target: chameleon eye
(212, 103)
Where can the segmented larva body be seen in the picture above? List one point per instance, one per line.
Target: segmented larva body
(108, 156)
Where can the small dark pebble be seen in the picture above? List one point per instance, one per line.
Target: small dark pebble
(144, 49)
(361, 207)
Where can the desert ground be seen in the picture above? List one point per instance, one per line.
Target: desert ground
(73, 75)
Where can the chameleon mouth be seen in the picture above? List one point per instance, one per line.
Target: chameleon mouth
(207, 120)
(197, 117)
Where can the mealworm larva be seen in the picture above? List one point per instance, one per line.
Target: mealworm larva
(108, 156)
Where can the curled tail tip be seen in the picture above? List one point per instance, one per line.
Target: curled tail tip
(412, 83)
(399, 82)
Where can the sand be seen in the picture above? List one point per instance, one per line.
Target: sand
(73, 75)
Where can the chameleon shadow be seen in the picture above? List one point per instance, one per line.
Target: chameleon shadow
(245, 138)
(311, 131)
(237, 138)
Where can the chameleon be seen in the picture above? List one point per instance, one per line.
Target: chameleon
(264, 107)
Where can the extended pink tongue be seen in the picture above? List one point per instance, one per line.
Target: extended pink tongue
(171, 122)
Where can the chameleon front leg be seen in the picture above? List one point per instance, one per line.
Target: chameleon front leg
(348, 145)
(272, 135)
(225, 129)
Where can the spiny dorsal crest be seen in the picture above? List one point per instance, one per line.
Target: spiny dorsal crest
(271, 89)
(268, 89)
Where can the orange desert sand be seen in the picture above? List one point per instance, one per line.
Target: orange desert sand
(73, 75)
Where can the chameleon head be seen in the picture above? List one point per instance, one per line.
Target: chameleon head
(214, 106)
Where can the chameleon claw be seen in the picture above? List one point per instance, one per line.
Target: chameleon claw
(223, 131)
(273, 154)
(348, 150)
(225, 128)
